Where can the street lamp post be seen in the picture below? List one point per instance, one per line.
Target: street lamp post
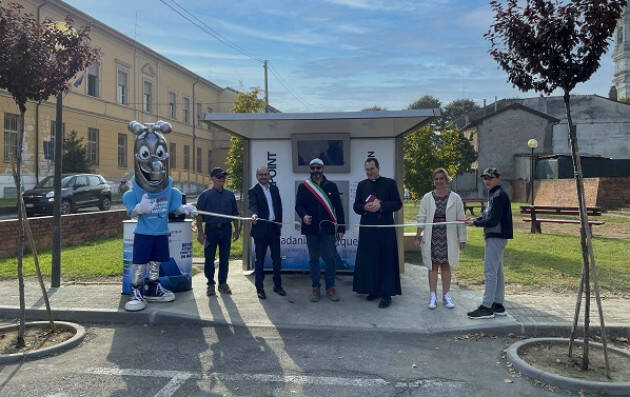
(532, 144)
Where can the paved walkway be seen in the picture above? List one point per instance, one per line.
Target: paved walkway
(103, 302)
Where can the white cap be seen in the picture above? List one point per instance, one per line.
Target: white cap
(316, 161)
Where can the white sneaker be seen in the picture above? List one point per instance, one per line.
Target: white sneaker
(137, 302)
(432, 301)
(157, 293)
(448, 301)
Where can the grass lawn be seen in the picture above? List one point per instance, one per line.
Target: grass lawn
(102, 258)
(545, 261)
(8, 202)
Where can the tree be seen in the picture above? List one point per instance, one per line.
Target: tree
(36, 61)
(546, 45)
(244, 103)
(75, 157)
(426, 102)
(456, 109)
(373, 109)
(425, 150)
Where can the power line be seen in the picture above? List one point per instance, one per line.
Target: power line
(273, 71)
(207, 29)
(218, 36)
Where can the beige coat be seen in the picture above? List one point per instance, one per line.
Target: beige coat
(455, 234)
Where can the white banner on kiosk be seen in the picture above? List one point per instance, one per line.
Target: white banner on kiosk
(176, 274)
(277, 156)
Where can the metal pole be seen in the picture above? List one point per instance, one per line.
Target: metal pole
(266, 90)
(55, 274)
(531, 177)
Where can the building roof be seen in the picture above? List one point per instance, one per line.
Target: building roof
(382, 124)
(511, 106)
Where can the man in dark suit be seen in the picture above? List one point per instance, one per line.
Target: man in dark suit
(265, 203)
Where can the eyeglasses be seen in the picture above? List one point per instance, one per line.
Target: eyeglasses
(263, 174)
(487, 178)
(220, 177)
(316, 167)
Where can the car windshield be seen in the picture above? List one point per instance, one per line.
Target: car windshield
(49, 181)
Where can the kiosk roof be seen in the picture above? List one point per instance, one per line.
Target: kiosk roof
(381, 124)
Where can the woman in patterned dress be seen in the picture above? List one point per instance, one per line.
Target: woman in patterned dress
(440, 244)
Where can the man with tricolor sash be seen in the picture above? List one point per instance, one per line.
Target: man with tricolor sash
(319, 206)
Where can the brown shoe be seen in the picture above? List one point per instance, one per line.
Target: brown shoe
(332, 294)
(210, 290)
(316, 295)
(225, 289)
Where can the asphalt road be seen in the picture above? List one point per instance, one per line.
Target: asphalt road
(226, 361)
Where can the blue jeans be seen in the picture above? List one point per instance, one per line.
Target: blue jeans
(322, 245)
(221, 237)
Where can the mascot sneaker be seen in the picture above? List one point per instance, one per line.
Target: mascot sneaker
(156, 293)
(137, 302)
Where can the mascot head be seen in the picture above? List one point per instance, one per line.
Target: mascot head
(151, 155)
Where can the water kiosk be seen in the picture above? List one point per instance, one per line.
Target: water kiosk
(286, 142)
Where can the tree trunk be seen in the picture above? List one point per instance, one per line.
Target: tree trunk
(20, 253)
(587, 244)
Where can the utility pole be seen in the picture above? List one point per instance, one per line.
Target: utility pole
(55, 274)
(266, 89)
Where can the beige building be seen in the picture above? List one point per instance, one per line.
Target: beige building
(129, 82)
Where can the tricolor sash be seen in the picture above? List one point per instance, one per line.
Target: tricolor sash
(322, 197)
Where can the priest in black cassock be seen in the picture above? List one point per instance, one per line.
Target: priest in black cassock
(376, 270)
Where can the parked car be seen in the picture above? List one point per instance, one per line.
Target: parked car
(77, 191)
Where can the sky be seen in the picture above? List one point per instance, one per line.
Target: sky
(330, 55)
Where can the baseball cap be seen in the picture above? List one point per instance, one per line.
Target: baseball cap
(217, 171)
(316, 161)
(491, 172)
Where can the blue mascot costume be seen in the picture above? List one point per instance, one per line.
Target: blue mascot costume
(151, 198)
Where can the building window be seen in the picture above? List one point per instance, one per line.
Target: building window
(49, 146)
(147, 97)
(209, 161)
(122, 90)
(122, 150)
(92, 146)
(198, 159)
(172, 155)
(186, 110)
(172, 108)
(94, 79)
(11, 123)
(199, 115)
(186, 157)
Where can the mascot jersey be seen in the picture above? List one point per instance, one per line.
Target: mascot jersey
(155, 223)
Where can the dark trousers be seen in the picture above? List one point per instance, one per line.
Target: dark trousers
(221, 236)
(322, 245)
(271, 240)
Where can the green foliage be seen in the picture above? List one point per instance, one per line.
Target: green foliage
(456, 109)
(374, 108)
(425, 150)
(75, 157)
(426, 102)
(244, 103)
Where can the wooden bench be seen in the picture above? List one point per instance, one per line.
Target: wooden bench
(536, 210)
(471, 203)
(558, 210)
(570, 221)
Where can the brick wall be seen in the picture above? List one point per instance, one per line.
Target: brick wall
(602, 192)
(75, 229)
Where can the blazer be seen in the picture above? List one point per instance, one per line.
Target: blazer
(258, 205)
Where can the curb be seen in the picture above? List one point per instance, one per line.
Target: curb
(46, 351)
(609, 388)
(161, 317)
